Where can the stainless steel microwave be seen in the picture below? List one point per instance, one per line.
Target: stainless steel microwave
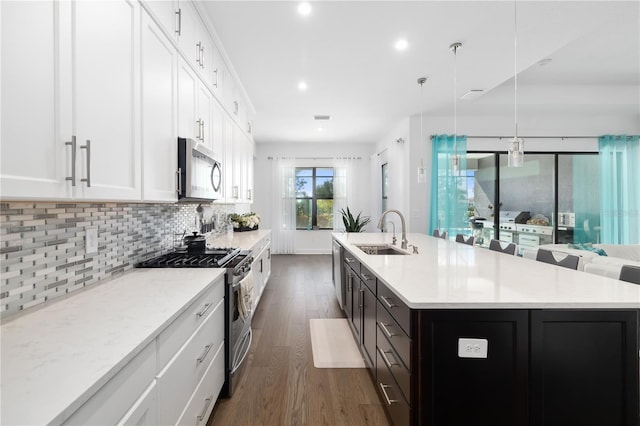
(199, 174)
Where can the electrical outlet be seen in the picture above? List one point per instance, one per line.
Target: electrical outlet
(91, 240)
(472, 348)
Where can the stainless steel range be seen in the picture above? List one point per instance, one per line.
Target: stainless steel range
(237, 264)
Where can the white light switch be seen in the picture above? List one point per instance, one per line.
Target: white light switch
(91, 240)
(472, 348)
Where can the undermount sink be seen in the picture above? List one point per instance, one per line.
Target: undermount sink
(379, 249)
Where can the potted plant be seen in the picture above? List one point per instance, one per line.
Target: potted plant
(244, 222)
(354, 224)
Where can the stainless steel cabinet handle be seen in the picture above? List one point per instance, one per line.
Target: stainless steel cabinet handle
(235, 107)
(204, 354)
(215, 83)
(201, 55)
(248, 194)
(384, 391)
(199, 123)
(366, 277)
(179, 174)
(261, 270)
(361, 298)
(383, 354)
(88, 178)
(198, 53)
(269, 253)
(384, 328)
(349, 259)
(206, 308)
(202, 131)
(204, 410)
(235, 191)
(72, 178)
(179, 16)
(386, 302)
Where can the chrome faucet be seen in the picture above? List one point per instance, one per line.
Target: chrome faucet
(404, 229)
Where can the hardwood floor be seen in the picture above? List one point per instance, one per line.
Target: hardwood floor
(280, 385)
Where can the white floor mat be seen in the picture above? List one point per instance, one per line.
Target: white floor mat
(333, 344)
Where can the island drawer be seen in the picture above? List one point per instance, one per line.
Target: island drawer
(390, 329)
(401, 373)
(394, 401)
(392, 303)
(352, 262)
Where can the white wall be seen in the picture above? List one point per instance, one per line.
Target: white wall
(316, 241)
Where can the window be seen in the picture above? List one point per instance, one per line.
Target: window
(314, 197)
(385, 187)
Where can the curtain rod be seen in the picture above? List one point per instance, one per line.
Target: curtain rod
(317, 158)
(529, 137)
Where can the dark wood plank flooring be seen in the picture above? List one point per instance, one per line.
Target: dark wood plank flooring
(280, 385)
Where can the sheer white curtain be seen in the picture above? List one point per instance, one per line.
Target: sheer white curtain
(283, 226)
(343, 188)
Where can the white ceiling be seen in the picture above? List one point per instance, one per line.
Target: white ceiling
(344, 51)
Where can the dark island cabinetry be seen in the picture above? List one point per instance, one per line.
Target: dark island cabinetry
(542, 367)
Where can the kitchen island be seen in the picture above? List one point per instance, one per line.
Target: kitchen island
(458, 334)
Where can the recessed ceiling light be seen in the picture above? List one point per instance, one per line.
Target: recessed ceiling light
(401, 44)
(304, 8)
(302, 86)
(319, 129)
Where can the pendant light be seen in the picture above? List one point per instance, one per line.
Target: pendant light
(455, 160)
(515, 147)
(421, 174)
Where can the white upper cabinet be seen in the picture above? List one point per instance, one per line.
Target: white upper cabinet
(34, 160)
(166, 13)
(205, 115)
(189, 126)
(159, 61)
(106, 98)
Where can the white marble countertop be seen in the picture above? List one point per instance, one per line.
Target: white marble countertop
(244, 240)
(450, 275)
(56, 357)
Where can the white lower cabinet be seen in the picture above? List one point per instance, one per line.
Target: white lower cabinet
(204, 398)
(144, 410)
(181, 376)
(112, 401)
(181, 371)
(261, 268)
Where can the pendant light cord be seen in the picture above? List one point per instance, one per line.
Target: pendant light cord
(421, 126)
(515, 65)
(455, 101)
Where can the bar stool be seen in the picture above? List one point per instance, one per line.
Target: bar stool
(567, 260)
(438, 234)
(630, 274)
(468, 241)
(496, 245)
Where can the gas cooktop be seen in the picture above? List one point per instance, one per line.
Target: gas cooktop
(210, 258)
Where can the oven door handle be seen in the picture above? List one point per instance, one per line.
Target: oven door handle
(237, 365)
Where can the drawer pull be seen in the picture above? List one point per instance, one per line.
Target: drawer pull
(366, 277)
(204, 354)
(384, 392)
(202, 312)
(384, 328)
(383, 354)
(349, 259)
(204, 410)
(386, 302)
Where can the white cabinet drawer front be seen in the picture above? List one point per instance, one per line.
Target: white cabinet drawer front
(144, 411)
(181, 376)
(204, 398)
(112, 401)
(174, 336)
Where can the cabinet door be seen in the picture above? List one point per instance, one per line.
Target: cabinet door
(34, 157)
(188, 127)
(348, 303)
(238, 165)
(106, 98)
(228, 165)
(144, 411)
(248, 169)
(205, 114)
(165, 12)
(357, 306)
(584, 367)
(369, 325)
(217, 130)
(217, 71)
(189, 28)
(159, 113)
